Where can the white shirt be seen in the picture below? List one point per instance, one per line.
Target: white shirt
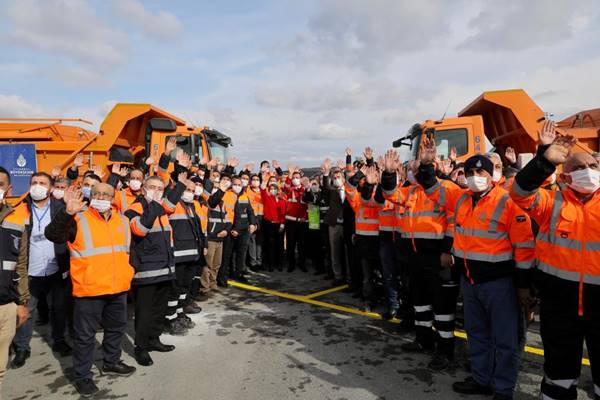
(42, 259)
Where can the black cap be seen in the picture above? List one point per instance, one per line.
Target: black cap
(480, 161)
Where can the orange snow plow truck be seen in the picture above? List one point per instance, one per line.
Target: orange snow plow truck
(497, 120)
(129, 134)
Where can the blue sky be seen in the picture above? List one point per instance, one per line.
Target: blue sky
(295, 80)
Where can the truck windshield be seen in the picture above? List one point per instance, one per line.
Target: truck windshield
(218, 150)
(445, 140)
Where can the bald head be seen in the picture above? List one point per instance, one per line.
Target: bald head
(579, 161)
(103, 191)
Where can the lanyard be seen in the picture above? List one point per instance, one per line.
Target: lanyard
(39, 219)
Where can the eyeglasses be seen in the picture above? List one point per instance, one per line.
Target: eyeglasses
(102, 195)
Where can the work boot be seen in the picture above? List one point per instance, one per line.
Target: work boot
(185, 321)
(192, 309)
(20, 357)
(242, 279)
(62, 348)
(201, 297)
(86, 387)
(439, 362)
(120, 369)
(142, 357)
(175, 329)
(157, 345)
(469, 386)
(390, 313)
(415, 347)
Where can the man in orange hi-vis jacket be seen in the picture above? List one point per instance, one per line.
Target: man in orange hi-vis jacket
(493, 245)
(568, 252)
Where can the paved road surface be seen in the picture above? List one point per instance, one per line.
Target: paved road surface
(249, 345)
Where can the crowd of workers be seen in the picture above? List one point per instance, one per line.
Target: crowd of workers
(166, 237)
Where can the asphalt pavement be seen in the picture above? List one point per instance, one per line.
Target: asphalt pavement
(251, 345)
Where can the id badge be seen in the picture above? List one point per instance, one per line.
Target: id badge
(38, 238)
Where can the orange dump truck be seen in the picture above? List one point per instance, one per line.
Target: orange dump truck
(497, 120)
(129, 133)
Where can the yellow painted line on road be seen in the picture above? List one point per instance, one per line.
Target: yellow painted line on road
(325, 292)
(309, 300)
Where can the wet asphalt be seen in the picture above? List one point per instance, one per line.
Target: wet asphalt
(249, 345)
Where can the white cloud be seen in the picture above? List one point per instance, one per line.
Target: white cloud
(68, 30)
(161, 24)
(517, 25)
(12, 106)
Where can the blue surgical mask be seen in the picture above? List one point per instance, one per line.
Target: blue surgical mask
(87, 191)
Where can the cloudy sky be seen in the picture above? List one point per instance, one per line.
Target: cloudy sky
(295, 80)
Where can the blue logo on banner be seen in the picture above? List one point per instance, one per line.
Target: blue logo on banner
(20, 162)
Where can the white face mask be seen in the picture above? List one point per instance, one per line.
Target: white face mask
(226, 184)
(411, 177)
(245, 182)
(497, 176)
(296, 182)
(58, 193)
(135, 185)
(273, 192)
(461, 180)
(100, 205)
(338, 182)
(154, 195)
(236, 189)
(86, 191)
(187, 197)
(477, 183)
(585, 180)
(38, 192)
(198, 191)
(314, 188)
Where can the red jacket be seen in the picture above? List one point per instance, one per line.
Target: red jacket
(274, 207)
(296, 209)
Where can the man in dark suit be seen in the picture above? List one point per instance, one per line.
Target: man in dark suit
(340, 220)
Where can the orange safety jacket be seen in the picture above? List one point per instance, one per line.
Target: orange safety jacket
(366, 212)
(124, 198)
(256, 201)
(568, 243)
(491, 236)
(100, 254)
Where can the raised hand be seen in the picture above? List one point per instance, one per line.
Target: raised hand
(453, 154)
(291, 168)
(560, 149)
(150, 161)
(249, 167)
(184, 159)
(510, 155)
(391, 161)
(233, 162)
(340, 164)
(98, 170)
(212, 163)
(368, 153)
(118, 170)
(74, 201)
(372, 175)
(326, 166)
(171, 145)
(55, 172)
(428, 151)
(78, 161)
(445, 166)
(275, 164)
(548, 132)
(348, 151)
(182, 177)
